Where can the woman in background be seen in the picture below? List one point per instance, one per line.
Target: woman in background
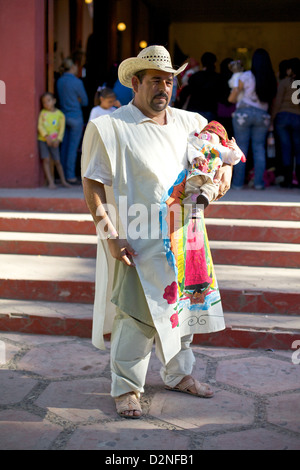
(72, 97)
(286, 116)
(251, 120)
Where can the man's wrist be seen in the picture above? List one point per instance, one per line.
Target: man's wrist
(112, 235)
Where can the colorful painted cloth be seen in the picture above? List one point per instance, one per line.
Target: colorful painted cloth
(195, 295)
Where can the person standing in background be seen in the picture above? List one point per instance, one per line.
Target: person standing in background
(225, 109)
(203, 88)
(72, 97)
(51, 128)
(286, 118)
(106, 102)
(251, 120)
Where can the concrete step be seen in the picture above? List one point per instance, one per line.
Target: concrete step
(69, 200)
(42, 317)
(272, 231)
(254, 331)
(50, 244)
(72, 201)
(53, 204)
(224, 252)
(47, 266)
(254, 210)
(42, 222)
(58, 318)
(69, 279)
(285, 255)
(52, 278)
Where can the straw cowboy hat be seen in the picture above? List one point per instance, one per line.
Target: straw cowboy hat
(152, 57)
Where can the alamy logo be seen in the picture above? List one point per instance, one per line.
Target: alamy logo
(148, 223)
(2, 92)
(296, 354)
(296, 94)
(2, 353)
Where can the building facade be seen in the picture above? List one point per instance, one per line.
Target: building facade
(36, 35)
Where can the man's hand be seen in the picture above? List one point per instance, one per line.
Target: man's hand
(223, 178)
(121, 250)
(95, 197)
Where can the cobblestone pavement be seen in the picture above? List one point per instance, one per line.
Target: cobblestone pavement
(55, 394)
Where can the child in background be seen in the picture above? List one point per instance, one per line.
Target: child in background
(51, 128)
(107, 102)
(236, 67)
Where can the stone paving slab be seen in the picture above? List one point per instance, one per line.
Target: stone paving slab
(55, 394)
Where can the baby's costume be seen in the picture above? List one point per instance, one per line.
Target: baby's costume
(205, 159)
(200, 187)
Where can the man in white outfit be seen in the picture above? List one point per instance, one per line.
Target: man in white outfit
(137, 153)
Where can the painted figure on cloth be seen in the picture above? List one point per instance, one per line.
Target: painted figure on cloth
(188, 252)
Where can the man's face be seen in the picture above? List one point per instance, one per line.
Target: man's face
(153, 95)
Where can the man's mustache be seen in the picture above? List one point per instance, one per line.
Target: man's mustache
(161, 95)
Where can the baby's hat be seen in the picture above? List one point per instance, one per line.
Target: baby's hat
(217, 128)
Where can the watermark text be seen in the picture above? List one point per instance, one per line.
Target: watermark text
(2, 353)
(152, 222)
(296, 354)
(296, 94)
(2, 92)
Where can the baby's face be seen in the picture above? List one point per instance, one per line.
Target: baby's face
(210, 136)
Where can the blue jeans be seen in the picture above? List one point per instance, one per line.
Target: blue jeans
(251, 124)
(287, 126)
(70, 144)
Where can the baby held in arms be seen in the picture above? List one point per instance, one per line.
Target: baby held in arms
(206, 152)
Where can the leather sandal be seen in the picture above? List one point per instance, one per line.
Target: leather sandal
(128, 402)
(203, 390)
